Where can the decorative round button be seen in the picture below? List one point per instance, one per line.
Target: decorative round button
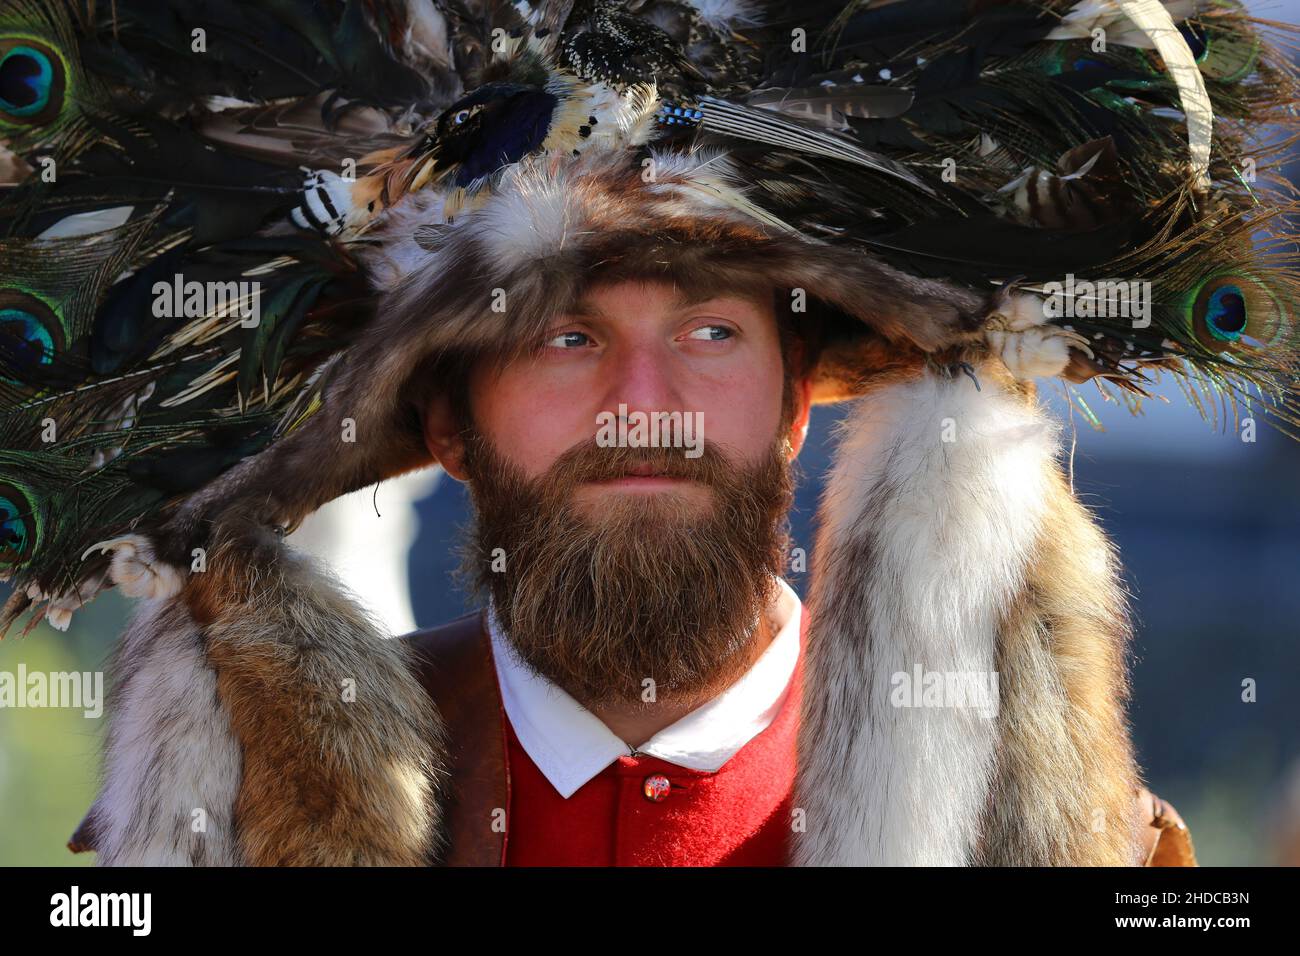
(656, 787)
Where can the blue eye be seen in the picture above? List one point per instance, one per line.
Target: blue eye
(1226, 315)
(567, 339)
(726, 331)
(1198, 40)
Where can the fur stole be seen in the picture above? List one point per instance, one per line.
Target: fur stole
(258, 718)
(949, 544)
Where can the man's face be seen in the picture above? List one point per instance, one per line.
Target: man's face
(610, 562)
(639, 345)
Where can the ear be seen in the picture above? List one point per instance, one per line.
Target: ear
(442, 436)
(803, 389)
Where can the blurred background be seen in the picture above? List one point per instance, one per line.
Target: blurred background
(1208, 527)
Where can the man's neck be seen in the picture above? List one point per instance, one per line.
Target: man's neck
(635, 723)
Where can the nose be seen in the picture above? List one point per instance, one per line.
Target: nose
(643, 377)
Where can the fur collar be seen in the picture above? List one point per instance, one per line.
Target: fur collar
(948, 547)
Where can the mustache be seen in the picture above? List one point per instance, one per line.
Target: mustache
(588, 461)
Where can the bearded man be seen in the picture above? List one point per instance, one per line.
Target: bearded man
(643, 645)
(636, 688)
(585, 229)
(642, 687)
(631, 694)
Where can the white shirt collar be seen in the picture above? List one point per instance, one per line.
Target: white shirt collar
(570, 745)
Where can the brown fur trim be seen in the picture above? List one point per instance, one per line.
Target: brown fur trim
(171, 764)
(1063, 793)
(327, 780)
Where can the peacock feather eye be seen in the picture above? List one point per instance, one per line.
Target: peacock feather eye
(17, 537)
(1235, 310)
(33, 82)
(1223, 54)
(31, 339)
(1197, 40)
(1230, 57)
(1225, 313)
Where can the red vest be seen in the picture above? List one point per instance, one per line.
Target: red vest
(739, 815)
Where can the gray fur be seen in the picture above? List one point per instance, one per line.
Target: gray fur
(169, 751)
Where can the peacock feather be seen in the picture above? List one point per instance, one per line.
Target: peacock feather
(46, 94)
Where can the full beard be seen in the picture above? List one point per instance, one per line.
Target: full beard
(650, 588)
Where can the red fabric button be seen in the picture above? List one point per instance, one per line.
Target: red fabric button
(656, 787)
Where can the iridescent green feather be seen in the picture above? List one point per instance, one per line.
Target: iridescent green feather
(45, 93)
(50, 290)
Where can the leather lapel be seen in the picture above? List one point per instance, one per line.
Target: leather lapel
(454, 664)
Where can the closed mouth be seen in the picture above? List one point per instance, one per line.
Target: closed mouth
(646, 471)
(640, 473)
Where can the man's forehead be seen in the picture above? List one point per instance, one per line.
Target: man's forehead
(683, 293)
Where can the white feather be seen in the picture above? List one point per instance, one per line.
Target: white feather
(88, 223)
(727, 14)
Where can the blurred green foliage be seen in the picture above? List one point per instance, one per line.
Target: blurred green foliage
(49, 757)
